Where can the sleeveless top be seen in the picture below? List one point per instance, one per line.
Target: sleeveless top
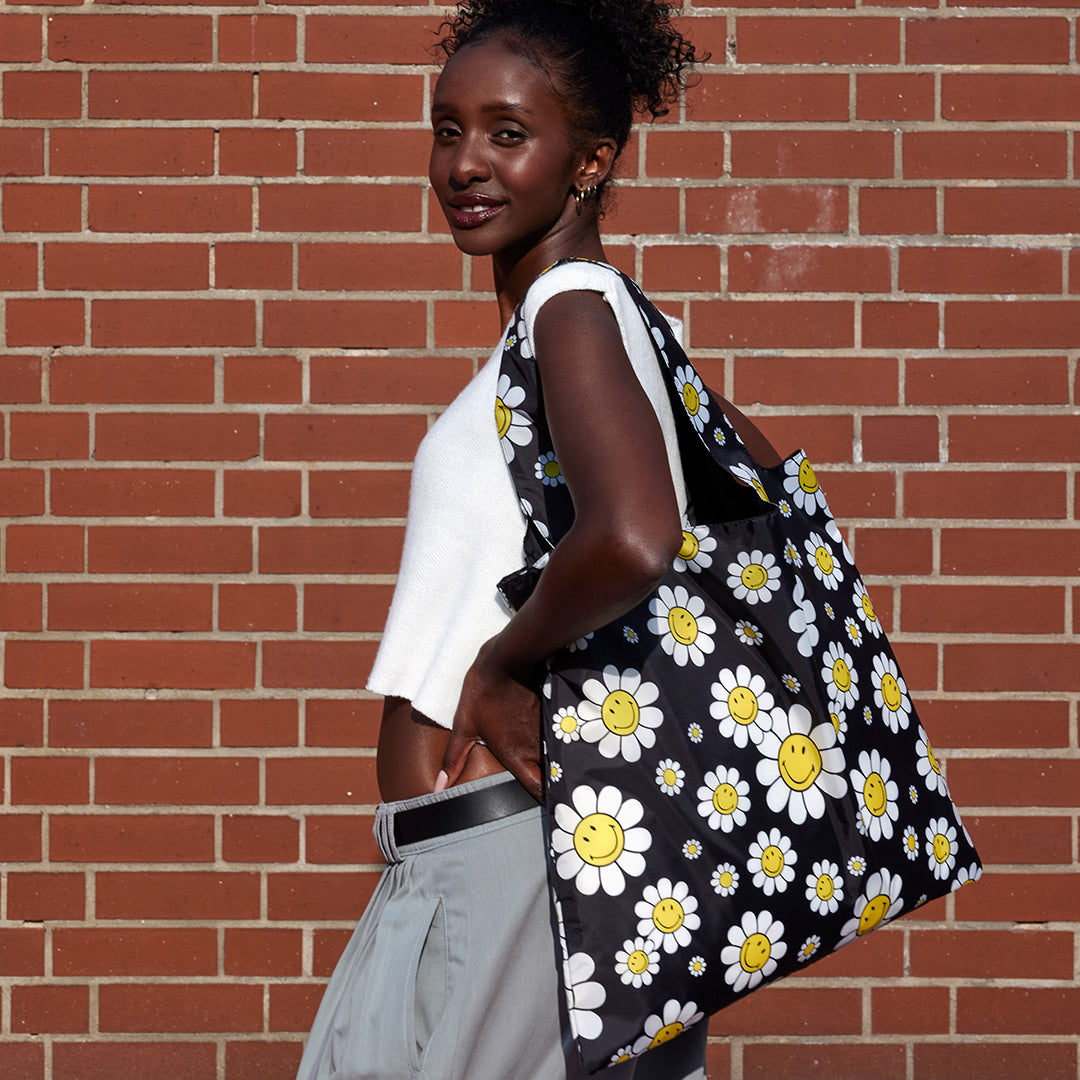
(465, 527)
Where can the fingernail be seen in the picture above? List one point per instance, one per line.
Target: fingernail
(441, 780)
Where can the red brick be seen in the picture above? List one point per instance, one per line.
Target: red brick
(809, 153)
(681, 268)
(130, 39)
(263, 378)
(1029, 782)
(39, 897)
(22, 493)
(1001, 97)
(383, 380)
(639, 210)
(310, 437)
(1014, 438)
(176, 1008)
(809, 39)
(855, 494)
(317, 664)
(43, 548)
(998, 494)
(176, 437)
(290, 95)
(795, 1010)
(894, 97)
(897, 211)
(79, 951)
(900, 438)
(170, 95)
(890, 324)
(131, 839)
(262, 493)
(958, 40)
(1029, 896)
(20, 722)
(157, 323)
(256, 607)
(992, 954)
(259, 839)
(37, 436)
(464, 323)
(1024, 840)
(184, 665)
(131, 379)
(980, 270)
(994, 723)
(369, 39)
(22, 950)
(1010, 668)
(337, 722)
(275, 1060)
(1018, 1010)
(144, 266)
(1034, 324)
(339, 839)
(119, 151)
(20, 380)
(312, 781)
(18, 267)
(994, 1060)
(774, 98)
(983, 609)
(293, 1008)
(824, 438)
(808, 268)
(42, 208)
(37, 1010)
(259, 722)
(328, 947)
(823, 1061)
(253, 266)
(177, 895)
(338, 208)
(328, 549)
(989, 380)
(1039, 211)
(167, 208)
(117, 607)
(348, 324)
(263, 952)
(23, 1060)
(905, 1010)
(319, 896)
(41, 781)
(993, 552)
(246, 39)
(53, 321)
(22, 152)
(53, 664)
(20, 38)
(358, 493)
(94, 724)
(398, 267)
(132, 492)
(20, 607)
(160, 549)
(100, 1060)
(772, 324)
(984, 155)
(346, 608)
(367, 152)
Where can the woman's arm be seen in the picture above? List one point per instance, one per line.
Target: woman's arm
(625, 533)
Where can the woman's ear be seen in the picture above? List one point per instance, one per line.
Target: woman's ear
(598, 163)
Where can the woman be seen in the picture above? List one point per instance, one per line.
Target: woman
(452, 971)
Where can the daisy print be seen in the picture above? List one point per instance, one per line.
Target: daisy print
(754, 946)
(692, 849)
(784, 507)
(822, 561)
(695, 553)
(695, 733)
(857, 865)
(824, 887)
(683, 628)
(754, 576)
(791, 683)
(670, 776)
(695, 399)
(662, 1027)
(911, 843)
(513, 426)
(966, 875)
(741, 704)
(801, 484)
(772, 862)
(548, 470)
(840, 677)
(890, 693)
(941, 847)
(748, 633)
(801, 620)
(725, 879)
(853, 631)
(865, 609)
(697, 966)
(597, 840)
(927, 765)
(875, 794)
(618, 714)
(566, 725)
(878, 903)
(913, 794)
(583, 996)
(801, 764)
(838, 719)
(719, 436)
(791, 554)
(637, 962)
(630, 634)
(554, 772)
(809, 949)
(667, 913)
(750, 477)
(724, 799)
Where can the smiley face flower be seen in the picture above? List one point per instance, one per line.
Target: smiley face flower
(667, 914)
(618, 714)
(725, 879)
(583, 996)
(823, 562)
(879, 903)
(754, 576)
(637, 962)
(865, 610)
(941, 847)
(772, 862)
(695, 553)
(802, 485)
(876, 794)
(597, 839)
(741, 704)
(724, 799)
(670, 776)
(755, 944)
(683, 628)
(566, 725)
(890, 693)
(513, 426)
(824, 887)
(928, 767)
(695, 399)
(748, 633)
(664, 1026)
(750, 476)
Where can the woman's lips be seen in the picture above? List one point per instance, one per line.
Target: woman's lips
(469, 216)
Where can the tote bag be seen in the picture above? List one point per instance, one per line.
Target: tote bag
(737, 780)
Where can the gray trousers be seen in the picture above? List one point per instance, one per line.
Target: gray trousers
(451, 973)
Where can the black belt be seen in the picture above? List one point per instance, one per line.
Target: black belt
(463, 811)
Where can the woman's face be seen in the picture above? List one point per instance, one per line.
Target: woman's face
(502, 163)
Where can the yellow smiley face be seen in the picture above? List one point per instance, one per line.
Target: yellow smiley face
(690, 546)
(772, 860)
(668, 915)
(598, 839)
(873, 913)
(503, 417)
(942, 848)
(825, 887)
(841, 675)
(620, 712)
(683, 625)
(800, 761)
(874, 794)
(911, 843)
(807, 480)
(725, 799)
(755, 952)
(691, 398)
(742, 704)
(824, 560)
(666, 1034)
(835, 721)
(868, 608)
(932, 759)
(637, 961)
(890, 692)
(754, 576)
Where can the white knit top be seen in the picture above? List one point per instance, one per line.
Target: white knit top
(465, 528)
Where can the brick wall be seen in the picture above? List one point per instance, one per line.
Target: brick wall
(230, 312)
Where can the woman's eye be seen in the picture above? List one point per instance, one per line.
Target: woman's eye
(445, 131)
(510, 135)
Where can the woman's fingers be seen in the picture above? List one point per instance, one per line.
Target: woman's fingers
(457, 752)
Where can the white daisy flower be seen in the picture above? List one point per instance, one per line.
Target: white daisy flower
(748, 633)
(913, 794)
(682, 626)
(695, 399)
(876, 794)
(724, 799)
(663, 1027)
(966, 875)
(741, 704)
(667, 914)
(566, 725)
(879, 903)
(838, 719)
(808, 949)
(750, 476)
(692, 849)
(618, 714)
(857, 865)
(826, 567)
(791, 683)
(630, 634)
(824, 887)
(853, 630)
(754, 576)
(865, 609)
(839, 675)
(719, 436)
(911, 843)
(922, 900)
(670, 776)
(583, 996)
(801, 764)
(548, 470)
(755, 944)
(725, 879)
(695, 733)
(868, 714)
(801, 620)
(624, 1053)
(772, 862)
(890, 693)
(637, 962)
(695, 553)
(513, 426)
(597, 839)
(791, 554)
(837, 537)
(784, 507)
(802, 484)
(554, 772)
(928, 766)
(941, 847)
(522, 339)
(697, 966)
(581, 644)
(829, 611)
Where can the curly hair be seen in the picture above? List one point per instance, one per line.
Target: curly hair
(607, 60)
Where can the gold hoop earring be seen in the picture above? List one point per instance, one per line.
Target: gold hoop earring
(582, 196)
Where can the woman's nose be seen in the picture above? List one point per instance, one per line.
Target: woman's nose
(469, 164)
